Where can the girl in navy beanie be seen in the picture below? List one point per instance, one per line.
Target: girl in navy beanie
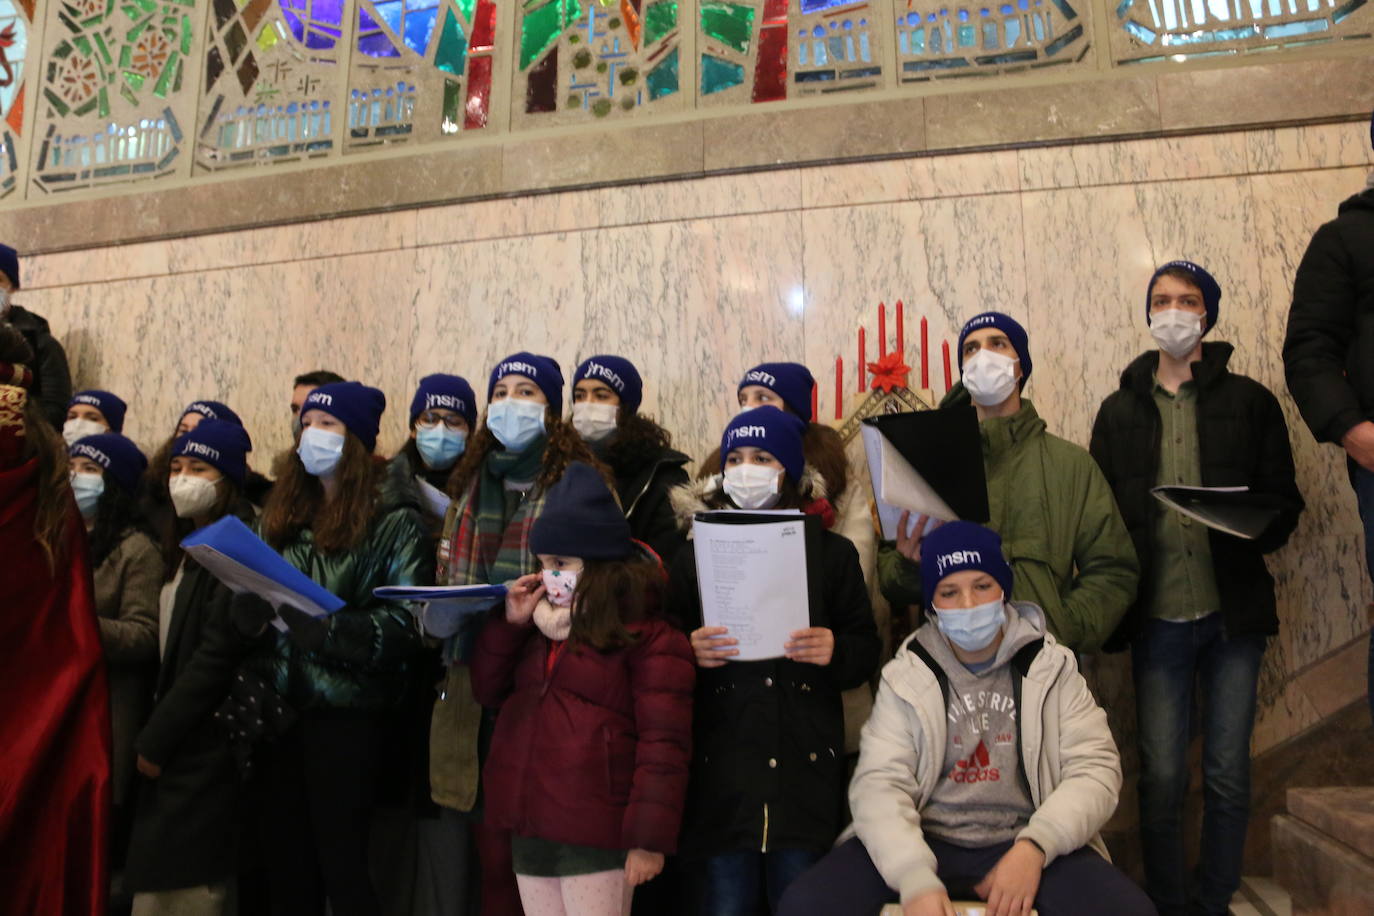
(587, 676)
(766, 797)
(607, 395)
(345, 675)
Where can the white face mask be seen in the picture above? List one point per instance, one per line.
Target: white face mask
(515, 422)
(990, 378)
(1176, 331)
(74, 430)
(193, 497)
(753, 486)
(87, 489)
(320, 451)
(594, 422)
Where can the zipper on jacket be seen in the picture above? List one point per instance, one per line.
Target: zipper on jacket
(764, 848)
(645, 489)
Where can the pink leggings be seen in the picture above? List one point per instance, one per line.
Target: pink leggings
(602, 893)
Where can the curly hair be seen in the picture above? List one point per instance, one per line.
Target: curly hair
(297, 501)
(116, 513)
(564, 447)
(638, 441)
(54, 501)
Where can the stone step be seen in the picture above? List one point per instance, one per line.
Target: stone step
(1266, 896)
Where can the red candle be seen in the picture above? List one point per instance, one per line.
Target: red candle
(925, 364)
(815, 391)
(901, 331)
(862, 361)
(839, 388)
(882, 329)
(949, 383)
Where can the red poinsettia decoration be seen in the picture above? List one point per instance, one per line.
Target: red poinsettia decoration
(889, 372)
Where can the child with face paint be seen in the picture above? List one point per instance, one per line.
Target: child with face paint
(105, 471)
(607, 392)
(590, 681)
(184, 845)
(987, 768)
(1069, 546)
(498, 487)
(91, 413)
(345, 675)
(443, 416)
(767, 788)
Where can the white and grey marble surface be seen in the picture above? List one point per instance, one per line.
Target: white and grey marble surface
(697, 280)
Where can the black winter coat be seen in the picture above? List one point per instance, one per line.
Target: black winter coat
(768, 765)
(52, 378)
(1328, 355)
(1242, 441)
(186, 828)
(643, 490)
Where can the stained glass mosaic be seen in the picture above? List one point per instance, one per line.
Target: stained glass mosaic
(111, 98)
(272, 70)
(16, 25)
(420, 68)
(1158, 30)
(770, 50)
(935, 40)
(586, 60)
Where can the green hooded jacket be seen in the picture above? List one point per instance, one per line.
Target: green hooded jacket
(1069, 550)
(372, 645)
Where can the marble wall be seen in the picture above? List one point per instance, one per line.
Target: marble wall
(696, 280)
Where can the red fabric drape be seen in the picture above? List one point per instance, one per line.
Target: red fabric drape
(54, 718)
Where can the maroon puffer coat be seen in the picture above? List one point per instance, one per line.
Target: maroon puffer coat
(595, 752)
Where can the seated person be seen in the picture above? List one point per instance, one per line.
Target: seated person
(986, 769)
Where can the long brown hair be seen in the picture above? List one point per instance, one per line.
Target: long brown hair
(297, 501)
(609, 596)
(564, 447)
(54, 500)
(822, 448)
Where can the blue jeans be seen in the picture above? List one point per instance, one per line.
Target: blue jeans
(735, 880)
(1364, 492)
(1168, 658)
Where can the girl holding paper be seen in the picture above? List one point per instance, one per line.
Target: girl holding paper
(766, 798)
(183, 851)
(498, 489)
(332, 516)
(588, 763)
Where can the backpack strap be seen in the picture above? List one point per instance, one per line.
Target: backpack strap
(1020, 667)
(920, 651)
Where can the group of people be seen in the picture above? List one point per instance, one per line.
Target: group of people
(588, 745)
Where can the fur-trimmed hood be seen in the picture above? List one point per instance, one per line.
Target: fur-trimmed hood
(706, 493)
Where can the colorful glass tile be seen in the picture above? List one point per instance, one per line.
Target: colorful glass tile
(453, 46)
(542, 26)
(731, 24)
(659, 20)
(770, 68)
(541, 88)
(717, 74)
(662, 79)
(479, 93)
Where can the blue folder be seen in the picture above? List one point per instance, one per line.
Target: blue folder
(244, 562)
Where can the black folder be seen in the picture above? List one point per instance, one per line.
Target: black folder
(945, 450)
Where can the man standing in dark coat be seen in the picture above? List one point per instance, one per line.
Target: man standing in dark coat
(1328, 356)
(1206, 604)
(52, 380)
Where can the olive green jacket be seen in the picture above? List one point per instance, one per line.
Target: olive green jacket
(1069, 550)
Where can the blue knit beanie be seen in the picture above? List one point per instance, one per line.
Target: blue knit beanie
(358, 407)
(1211, 289)
(111, 407)
(773, 430)
(790, 381)
(619, 374)
(212, 410)
(445, 392)
(581, 518)
(120, 459)
(544, 371)
(1009, 326)
(956, 546)
(220, 444)
(9, 264)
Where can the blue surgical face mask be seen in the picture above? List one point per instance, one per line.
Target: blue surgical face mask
(972, 629)
(87, 489)
(515, 423)
(440, 446)
(320, 451)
